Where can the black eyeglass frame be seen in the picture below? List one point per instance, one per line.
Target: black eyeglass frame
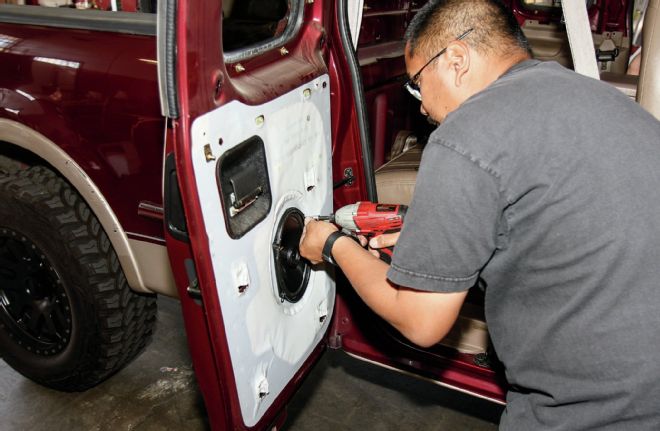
(411, 84)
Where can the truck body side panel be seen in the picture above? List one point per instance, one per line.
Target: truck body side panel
(94, 94)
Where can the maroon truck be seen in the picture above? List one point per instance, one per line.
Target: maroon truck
(178, 152)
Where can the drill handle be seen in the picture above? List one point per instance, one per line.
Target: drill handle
(385, 254)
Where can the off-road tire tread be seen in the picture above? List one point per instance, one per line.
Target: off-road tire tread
(122, 320)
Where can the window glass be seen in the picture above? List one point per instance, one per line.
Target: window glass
(252, 22)
(145, 6)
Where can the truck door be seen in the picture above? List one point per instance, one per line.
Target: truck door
(246, 88)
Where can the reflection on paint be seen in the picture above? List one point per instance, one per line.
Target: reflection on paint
(26, 95)
(58, 62)
(7, 42)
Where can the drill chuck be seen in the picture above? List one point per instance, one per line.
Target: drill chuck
(345, 217)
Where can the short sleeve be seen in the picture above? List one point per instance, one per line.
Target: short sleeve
(450, 231)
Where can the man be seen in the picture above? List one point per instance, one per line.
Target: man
(545, 184)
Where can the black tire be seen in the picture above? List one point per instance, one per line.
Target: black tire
(68, 319)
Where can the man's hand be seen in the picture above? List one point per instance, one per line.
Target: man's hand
(382, 241)
(422, 317)
(313, 239)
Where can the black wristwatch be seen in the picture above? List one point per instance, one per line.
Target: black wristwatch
(327, 247)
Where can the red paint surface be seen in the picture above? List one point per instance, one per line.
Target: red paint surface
(99, 104)
(197, 70)
(105, 114)
(366, 335)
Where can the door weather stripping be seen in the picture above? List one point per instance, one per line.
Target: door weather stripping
(166, 54)
(358, 94)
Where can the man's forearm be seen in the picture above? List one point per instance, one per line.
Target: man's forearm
(368, 275)
(422, 317)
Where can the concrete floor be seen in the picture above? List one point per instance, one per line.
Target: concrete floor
(158, 392)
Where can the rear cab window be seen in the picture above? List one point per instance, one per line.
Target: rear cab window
(119, 16)
(145, 6)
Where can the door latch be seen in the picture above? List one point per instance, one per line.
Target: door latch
(246, 190)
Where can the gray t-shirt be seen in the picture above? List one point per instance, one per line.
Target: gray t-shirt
(547, 185)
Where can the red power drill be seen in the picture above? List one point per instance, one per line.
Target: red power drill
(370, 219)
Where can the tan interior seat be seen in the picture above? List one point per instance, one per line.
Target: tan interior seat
(648, 92)
(627, 84)
(395, 180)
(395, 183)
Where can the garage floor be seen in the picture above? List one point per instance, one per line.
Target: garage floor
(158, 392)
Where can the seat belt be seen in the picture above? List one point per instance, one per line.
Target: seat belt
(579, 38)
(355, 8)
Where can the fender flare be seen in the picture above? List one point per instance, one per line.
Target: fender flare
(22, 136)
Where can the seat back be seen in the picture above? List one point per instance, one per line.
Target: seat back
(648, 91)
(395, 180)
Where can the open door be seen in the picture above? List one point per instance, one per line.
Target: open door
(248, 94)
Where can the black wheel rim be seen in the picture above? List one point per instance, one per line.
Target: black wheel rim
(34, 307)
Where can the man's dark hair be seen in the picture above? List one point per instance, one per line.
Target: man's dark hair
(496, 30)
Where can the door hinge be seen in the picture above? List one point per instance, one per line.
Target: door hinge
(193, 289)
(334, 341)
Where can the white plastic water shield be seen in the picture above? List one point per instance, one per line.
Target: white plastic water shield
(269, 339)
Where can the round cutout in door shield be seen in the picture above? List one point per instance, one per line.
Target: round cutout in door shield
(291, 270)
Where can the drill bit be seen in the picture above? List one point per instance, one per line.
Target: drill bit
(330, 218)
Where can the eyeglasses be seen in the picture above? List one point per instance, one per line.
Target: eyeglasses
(412, 86)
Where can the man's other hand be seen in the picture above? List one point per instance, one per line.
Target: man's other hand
(383, 241)
(313, 239)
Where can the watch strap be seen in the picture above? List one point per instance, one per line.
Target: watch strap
(327, 247)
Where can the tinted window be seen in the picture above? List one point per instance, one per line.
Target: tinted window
(147, 6)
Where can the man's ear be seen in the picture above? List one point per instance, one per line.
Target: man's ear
(459, 61)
